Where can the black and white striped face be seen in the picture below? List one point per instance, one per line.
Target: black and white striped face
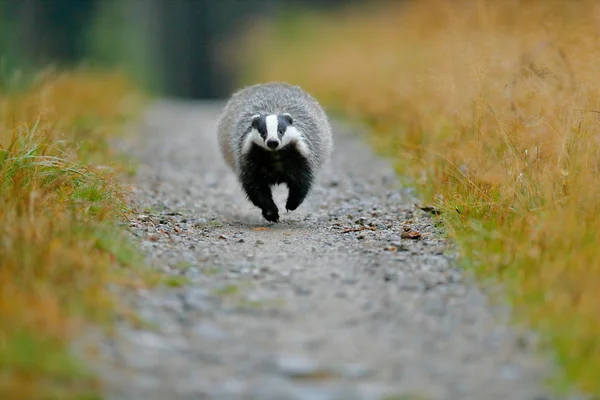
(272, 128)
(274, 132)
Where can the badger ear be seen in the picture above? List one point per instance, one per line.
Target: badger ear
(288, 118)
(255, 121)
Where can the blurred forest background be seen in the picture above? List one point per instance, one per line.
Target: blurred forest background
(172, 47)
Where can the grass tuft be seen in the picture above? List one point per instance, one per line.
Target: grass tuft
(492, 108)
(59, 241)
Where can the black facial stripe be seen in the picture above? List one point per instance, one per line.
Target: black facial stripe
(261, 126)
(282, 125)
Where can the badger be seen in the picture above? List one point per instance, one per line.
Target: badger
(270, 134)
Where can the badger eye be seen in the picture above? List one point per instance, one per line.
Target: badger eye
(280, 130)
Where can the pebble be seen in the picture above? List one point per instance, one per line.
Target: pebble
(390, 275)
(356, 371)
(196, 299)
(240, 266)
(297, 367)
(209, 331)
(509, 372)
(302, 291)
(349, 281)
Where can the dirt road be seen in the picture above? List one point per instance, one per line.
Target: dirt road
(331, 303)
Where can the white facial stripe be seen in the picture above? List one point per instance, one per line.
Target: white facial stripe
(293, 135)
(272, 124)
(252, 138)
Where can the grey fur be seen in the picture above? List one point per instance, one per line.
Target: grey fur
(274, 98)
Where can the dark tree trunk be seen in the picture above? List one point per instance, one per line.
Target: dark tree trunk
(51, 30)
(192, 32)
(184, 55)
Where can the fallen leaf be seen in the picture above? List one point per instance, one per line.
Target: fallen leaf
(410, 235)
(262, 228)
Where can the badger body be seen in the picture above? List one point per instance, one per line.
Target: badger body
(274, 133)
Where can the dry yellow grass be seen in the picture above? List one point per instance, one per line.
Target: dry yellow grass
(59, 244)
(492, 108)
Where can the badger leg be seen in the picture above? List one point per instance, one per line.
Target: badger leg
(259, 193)
(297, 191)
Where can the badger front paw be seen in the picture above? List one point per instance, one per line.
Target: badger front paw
(297, 194)
(271, 214)
(292, 203)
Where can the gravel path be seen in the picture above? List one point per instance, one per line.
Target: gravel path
(334, 302)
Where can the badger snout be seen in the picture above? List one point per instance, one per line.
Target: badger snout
(272, 143)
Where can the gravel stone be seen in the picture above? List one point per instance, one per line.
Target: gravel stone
(295, 367)
(361, 320)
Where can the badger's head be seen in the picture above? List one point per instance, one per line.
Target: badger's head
(273, 132)
(270, 130)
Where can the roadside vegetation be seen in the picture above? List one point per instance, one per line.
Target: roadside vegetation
(491, 109)
(60, 243)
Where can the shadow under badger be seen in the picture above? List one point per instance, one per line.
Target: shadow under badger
(274, 133)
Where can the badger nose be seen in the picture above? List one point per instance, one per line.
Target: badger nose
(272, 143)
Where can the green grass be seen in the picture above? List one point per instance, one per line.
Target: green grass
(60, 239)
(228, 290)
(176, 281)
